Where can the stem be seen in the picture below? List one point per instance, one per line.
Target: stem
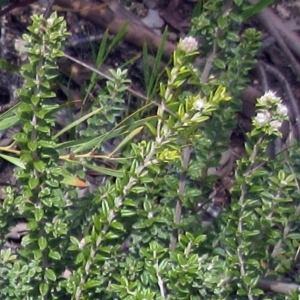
(160, 282)
(209, 64)
(240, 240)
(240, 250)
(186, 154)
(118, 203)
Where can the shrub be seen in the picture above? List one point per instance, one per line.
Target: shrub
(137, 235)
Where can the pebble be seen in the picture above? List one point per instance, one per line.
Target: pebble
(153, 20)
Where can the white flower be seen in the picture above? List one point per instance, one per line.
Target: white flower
(262, 117)
(199, 104)
(276, 124)
(269, 94)
(188, 44)
(269, 97)
(282, 110)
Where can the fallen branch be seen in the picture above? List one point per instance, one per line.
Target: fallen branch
(107, 16)
(276, 286)
(276, 28)
(292, 39)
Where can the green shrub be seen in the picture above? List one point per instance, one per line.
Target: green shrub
(137, 236)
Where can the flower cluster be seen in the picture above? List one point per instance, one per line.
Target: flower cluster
(188, 44)
(199, 104)
(262, 117)
(282, 110)
(268, 98)
(271, 112)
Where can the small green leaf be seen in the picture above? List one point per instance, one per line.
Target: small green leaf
(50, 275)
(44, 288)
(222, 22)
(39, 166)
(232, 36)
(42, 241)
(32, 146)
(281, 175)
(33, 182)
(44, 129)
(7, 257)
(127, 213)
(117, 225)
(220, 63)
(181, 259)
(46, 144)
(38, 214)
(112, 235)
(79, 258)
(54, 254)
(97, 223)
(35, 100)
(138, 189)
(124, 282)
(21, 137)
(92, 283)
(26, 157)
(199, 239)
(25, 107)
(295, 236)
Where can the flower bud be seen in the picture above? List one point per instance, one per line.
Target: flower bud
(188, 44)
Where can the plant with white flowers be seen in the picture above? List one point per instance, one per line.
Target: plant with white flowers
(188, 44)
(271, 112)
(262, 221)
(147, 231)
